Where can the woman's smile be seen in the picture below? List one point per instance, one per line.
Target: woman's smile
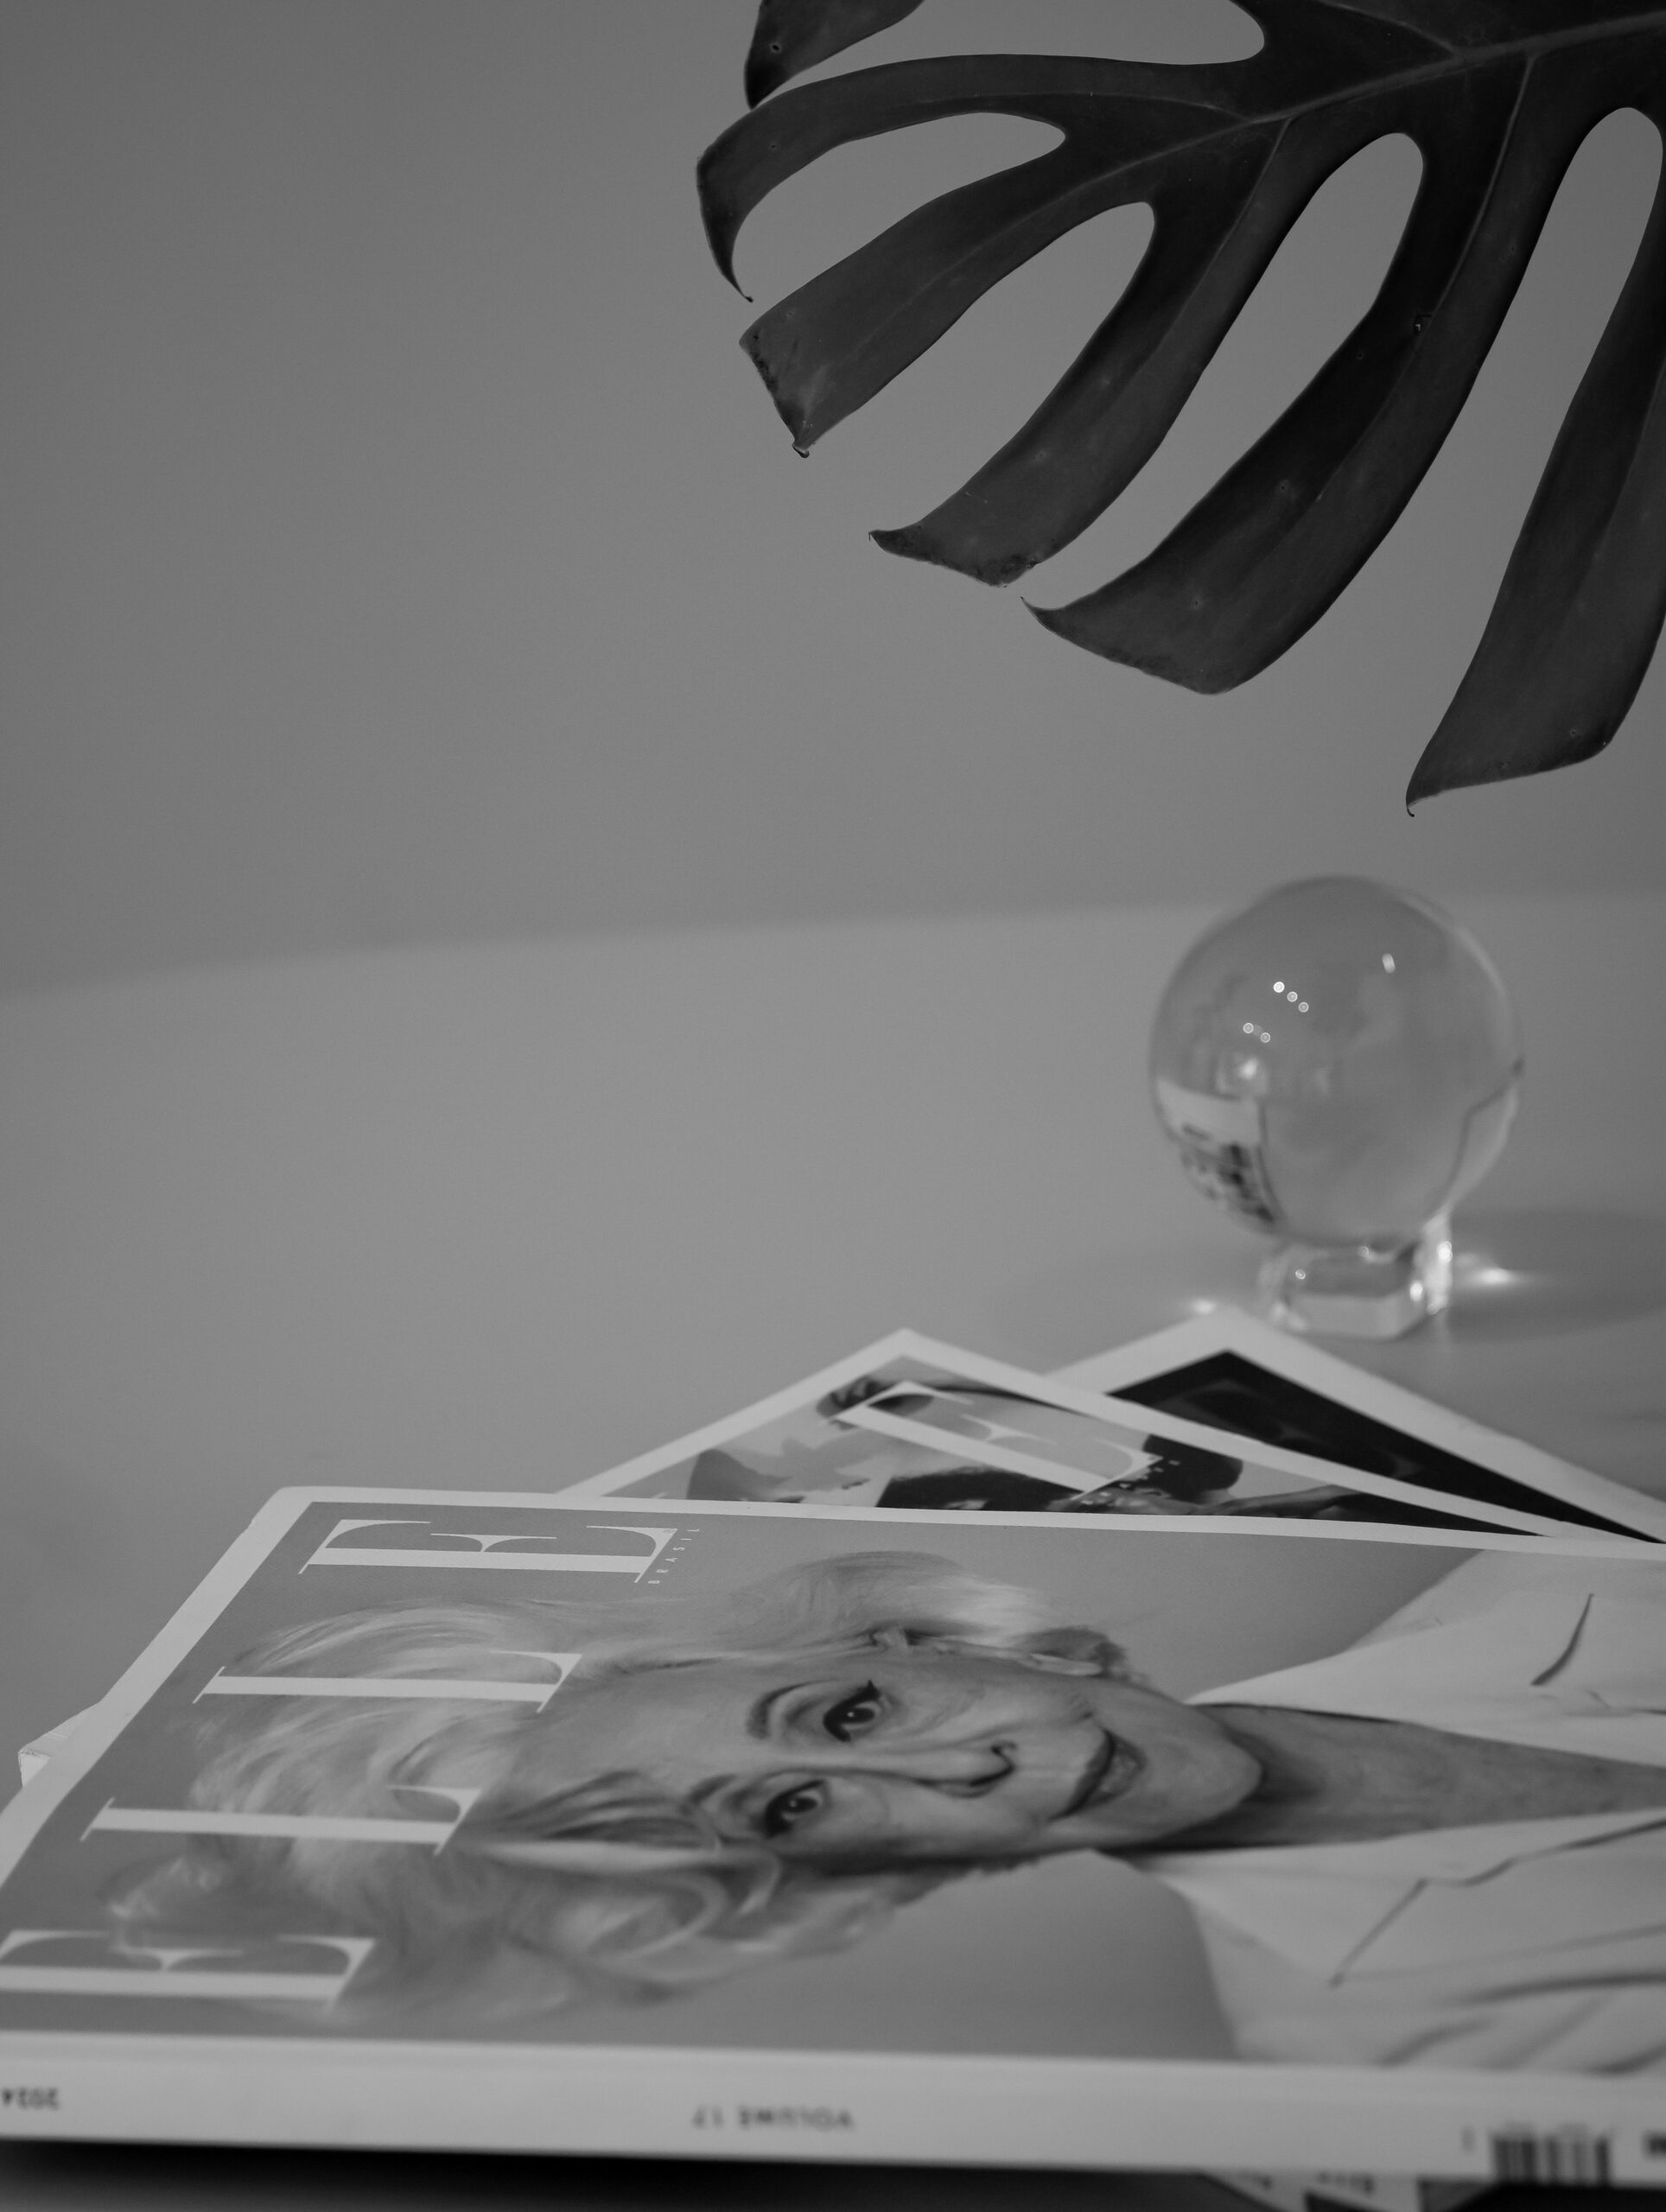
(1107, 1774)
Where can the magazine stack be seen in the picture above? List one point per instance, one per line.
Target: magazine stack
(1208, 1758)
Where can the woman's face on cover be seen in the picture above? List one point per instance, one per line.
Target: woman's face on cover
(914, 1754)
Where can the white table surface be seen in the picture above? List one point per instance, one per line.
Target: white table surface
(500, 1216)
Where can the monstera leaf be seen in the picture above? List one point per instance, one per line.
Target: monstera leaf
(1498, 95)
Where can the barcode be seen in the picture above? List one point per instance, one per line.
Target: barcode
(1566, 2154)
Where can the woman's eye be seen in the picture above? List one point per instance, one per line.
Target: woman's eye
(852, 1714)
(792, 1807)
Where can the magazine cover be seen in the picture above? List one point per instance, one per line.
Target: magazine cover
(486, 1820)
(1229, 1370)
(909, 1423)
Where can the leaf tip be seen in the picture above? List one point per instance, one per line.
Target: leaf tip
(765, 73)
(966, 554)
(789, 404)
(905, 543)
(792, 36)
(1444, 767)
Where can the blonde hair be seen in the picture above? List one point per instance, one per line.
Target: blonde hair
(607, 1887)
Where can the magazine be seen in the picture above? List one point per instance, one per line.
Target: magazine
(677, 1827)
(908, 1422)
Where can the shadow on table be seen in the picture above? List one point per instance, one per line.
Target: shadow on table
(1545, 1270)
(84, 2178)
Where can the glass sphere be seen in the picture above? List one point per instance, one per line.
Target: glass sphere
(1339, 1063)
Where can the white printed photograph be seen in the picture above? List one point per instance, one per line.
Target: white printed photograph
(1228, 1370)
(912, 1424)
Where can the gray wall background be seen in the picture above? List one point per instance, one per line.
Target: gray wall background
(397, 547)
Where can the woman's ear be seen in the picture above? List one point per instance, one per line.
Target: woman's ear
(1055, 1662)
(1052, 1651)
(1074, 1651)
(894, 1638)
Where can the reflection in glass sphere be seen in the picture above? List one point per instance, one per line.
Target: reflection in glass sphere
(1337, 1063)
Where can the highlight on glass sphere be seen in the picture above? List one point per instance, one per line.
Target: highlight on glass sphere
(1337, 1063)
